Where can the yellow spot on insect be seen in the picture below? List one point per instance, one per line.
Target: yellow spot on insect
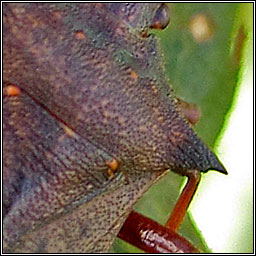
(68, 131)
(134, 75)
(155, 90)
(80, 35)
(12, 90)
(110, 173)
(200, 27)
(113, 165)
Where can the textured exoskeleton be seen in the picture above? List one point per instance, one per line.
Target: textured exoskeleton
(90, 90)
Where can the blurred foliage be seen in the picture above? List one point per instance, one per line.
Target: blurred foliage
(204, 73)
(203, 70)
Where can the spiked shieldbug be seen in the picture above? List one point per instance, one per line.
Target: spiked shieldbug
(90, 122)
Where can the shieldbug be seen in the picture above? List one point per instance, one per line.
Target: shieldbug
(90, 122)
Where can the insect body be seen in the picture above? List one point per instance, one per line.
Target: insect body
(90, 122)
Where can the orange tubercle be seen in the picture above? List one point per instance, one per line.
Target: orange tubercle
(80, 35)
(134, 75)
(113, 164)
(12, 90)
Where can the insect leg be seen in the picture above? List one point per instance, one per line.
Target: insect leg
(184, 200)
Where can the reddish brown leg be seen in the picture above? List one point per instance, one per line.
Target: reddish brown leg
(152, 237)
(185, 198)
